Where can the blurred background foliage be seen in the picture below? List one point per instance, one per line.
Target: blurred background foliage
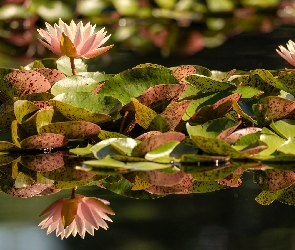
(167, 27)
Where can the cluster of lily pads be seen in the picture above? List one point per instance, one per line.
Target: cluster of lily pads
(146, 132)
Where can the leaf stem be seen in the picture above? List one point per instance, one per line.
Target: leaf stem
(72, 60)
(73, 192)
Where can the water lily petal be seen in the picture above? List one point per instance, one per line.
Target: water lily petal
(97, 52)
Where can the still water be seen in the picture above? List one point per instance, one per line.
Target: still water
(221, 220)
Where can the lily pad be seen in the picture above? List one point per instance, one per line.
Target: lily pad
(134, 82)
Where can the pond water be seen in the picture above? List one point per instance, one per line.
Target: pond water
(224, 219)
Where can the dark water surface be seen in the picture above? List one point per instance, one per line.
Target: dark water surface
(226, 219)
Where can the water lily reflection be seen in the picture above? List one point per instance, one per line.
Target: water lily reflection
(76, 214)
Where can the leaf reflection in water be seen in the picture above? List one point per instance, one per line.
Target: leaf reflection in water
(25, 177)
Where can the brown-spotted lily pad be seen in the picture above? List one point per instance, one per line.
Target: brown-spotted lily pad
(155, 141)
(273, 108)
(7, 114)
(235, 136)
(148, 135)
(72, 129)
(28, 82)
(159, 94)
(43, 141)
(219, 109)
(52, 75)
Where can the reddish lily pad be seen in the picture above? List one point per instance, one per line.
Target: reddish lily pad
(235, 136)
(159, 94)
(219, 109)
(174, 112)
(72, 129)
(155, 141)
(28, 81)
(43, 141)
(273, 108)
(52, 75)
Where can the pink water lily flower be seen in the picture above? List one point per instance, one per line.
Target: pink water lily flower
(74, 40)
(77, 214)
(288, 54)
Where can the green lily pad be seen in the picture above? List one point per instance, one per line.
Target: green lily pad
(285, 128)
(288, 147)
(211, 128)
(80, 113)
(76, 83)
(134, 82)
(207, 84)
(64, 65)
(23, 110)
(214, 146)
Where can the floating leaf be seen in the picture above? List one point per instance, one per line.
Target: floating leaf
(207, 84)
(103, 135)
(46, 140)
(134, 82)
(52, 75)
(64, 65)
(159, 94)
(174, 112)
(273, 142)
(162, 152)
(143, 114)
(180, 72)
(6, 90)
(155, 141)
(7, 113)
(273, 108)
(218, 109)
(288, 147)
(72, 129)
(211, 128)
(124, 145)
(77, 106)
(237, 135)
(214, 146)
(76, 83)
(23, 110)
(285, 128)
(28, 82)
